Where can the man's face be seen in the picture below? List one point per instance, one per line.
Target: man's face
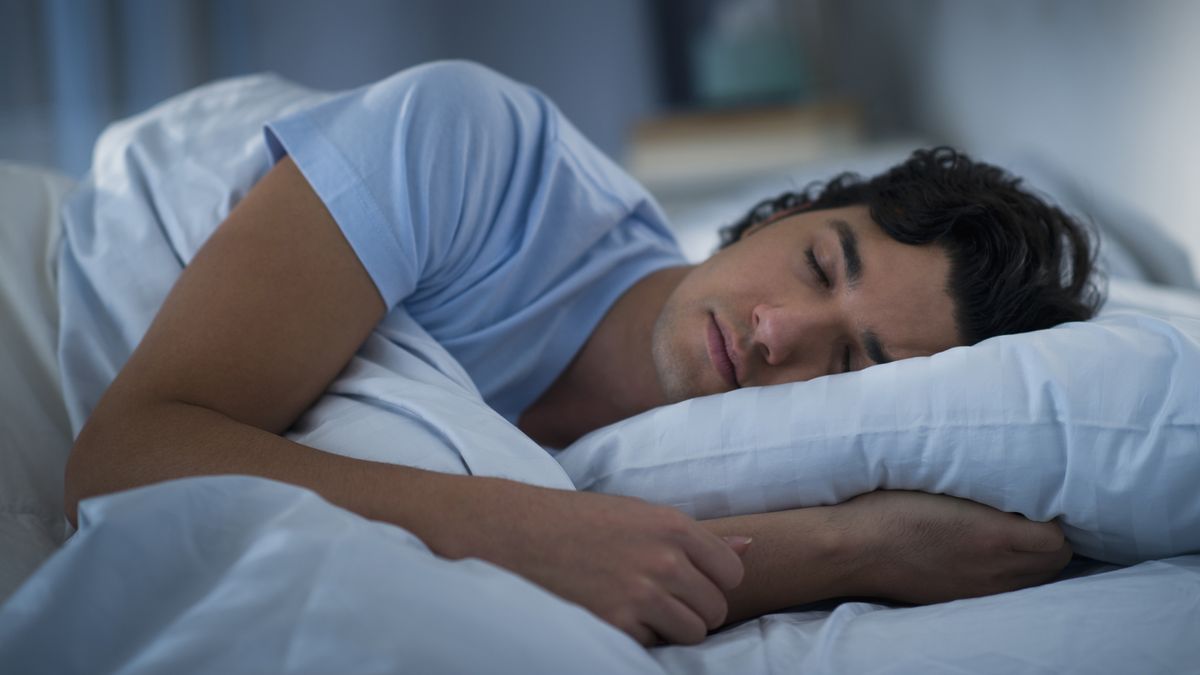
(803, 296)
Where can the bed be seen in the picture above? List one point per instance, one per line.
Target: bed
(238, 574)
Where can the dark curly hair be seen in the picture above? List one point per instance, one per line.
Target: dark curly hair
(1017, 262)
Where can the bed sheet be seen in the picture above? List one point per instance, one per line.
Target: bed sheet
(1140, 619)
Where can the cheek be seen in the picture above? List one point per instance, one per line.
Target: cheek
(742, 276)
(759, 270)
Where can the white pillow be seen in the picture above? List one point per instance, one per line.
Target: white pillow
(1097, 424)
(35, 436)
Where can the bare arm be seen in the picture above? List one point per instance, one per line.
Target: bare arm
(259, 323)
(235, 355)
(904, 546)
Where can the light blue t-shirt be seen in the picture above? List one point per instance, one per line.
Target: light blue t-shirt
(473, 204)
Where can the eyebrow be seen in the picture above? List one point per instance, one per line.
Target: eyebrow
(849, 241)
(854, 272)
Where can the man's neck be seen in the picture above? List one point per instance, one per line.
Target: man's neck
(612, 376)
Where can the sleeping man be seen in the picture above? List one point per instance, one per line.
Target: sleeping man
(466, 201)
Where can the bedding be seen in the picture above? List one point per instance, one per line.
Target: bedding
(34, 439)
(223, 573)
(245, 575)
(239, 574)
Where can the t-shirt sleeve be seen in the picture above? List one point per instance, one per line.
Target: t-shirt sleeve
(416, 167)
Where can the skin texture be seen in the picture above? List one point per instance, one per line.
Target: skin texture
(275, 304)
(785, 320)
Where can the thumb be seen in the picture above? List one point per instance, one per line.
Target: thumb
(738, 543)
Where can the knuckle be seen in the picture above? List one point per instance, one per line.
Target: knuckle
(642, 592)
(667, 563)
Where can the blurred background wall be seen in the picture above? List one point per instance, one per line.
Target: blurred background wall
(1103, 89)
(71, 66)
(1107, 90)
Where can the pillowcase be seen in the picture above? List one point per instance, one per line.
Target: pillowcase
(1095, 423)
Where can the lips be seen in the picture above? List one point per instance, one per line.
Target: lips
(718, 353)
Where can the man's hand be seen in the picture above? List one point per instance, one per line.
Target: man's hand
(649, 570)
(922, 548)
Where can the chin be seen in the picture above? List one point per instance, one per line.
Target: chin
(681, 379)
(675, 375)
(680, 363)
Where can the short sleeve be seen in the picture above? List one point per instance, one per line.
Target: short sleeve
(477, 207)
(415, 168)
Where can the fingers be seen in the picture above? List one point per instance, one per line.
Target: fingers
(643, 634)
(698, 594)
(715, 558)
(680, 608)
(739, 544)
(675, 622)
(693, 601)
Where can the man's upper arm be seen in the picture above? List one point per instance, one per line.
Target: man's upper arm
(265, 315)
(418, 168)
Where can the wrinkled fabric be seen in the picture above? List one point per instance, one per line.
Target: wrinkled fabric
(233, 574)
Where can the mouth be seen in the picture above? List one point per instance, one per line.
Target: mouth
(718, 353)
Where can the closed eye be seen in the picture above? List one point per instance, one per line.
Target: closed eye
(816, 268)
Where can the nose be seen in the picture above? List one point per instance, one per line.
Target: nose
(785, 335)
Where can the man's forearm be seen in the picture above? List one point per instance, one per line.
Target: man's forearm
(797, 556)
(905, 546)
(136, 446)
